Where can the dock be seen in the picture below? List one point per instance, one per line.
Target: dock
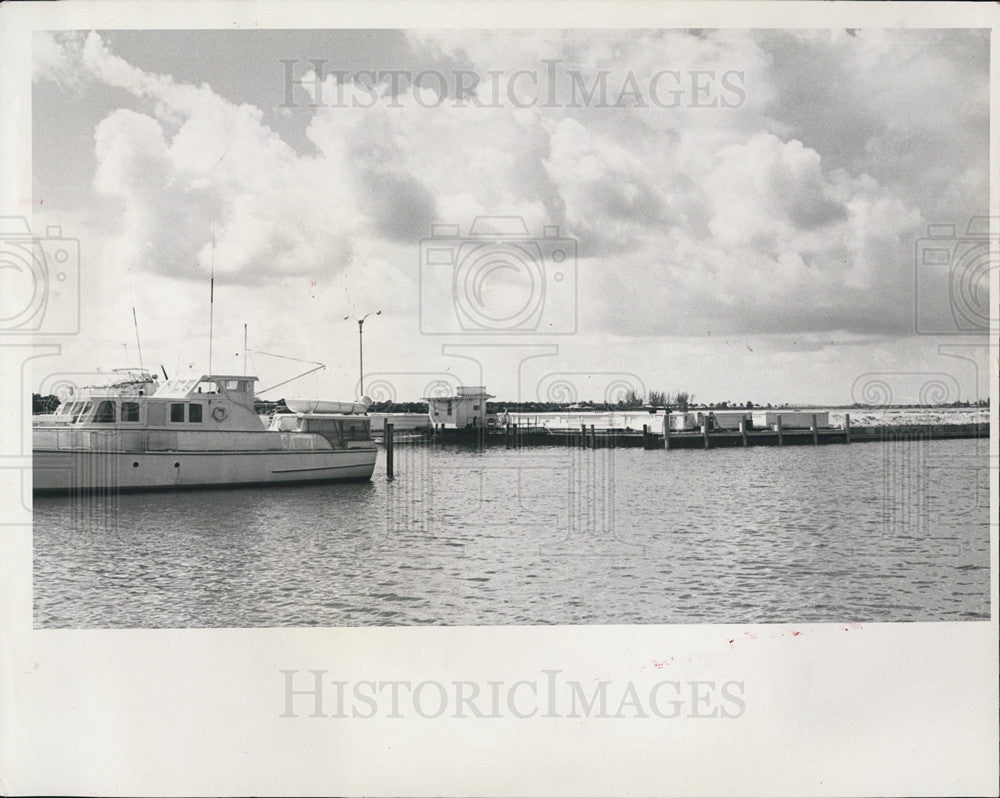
(590, 437)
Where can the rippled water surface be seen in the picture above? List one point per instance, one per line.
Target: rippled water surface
(867, 532)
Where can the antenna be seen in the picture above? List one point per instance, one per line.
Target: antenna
(244, 348)
(135, 322)
(211, 303)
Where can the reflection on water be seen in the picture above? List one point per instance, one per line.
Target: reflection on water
(868, 532)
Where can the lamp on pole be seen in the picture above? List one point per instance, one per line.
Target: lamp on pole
(361, 344)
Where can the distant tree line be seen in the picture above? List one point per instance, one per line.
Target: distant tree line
(44, 404)
(977, 403)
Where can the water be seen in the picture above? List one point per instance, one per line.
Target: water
(867, 532)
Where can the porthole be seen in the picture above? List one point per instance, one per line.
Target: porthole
(135, 464)
(177, 465)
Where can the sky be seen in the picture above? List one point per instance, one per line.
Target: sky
(742, 215)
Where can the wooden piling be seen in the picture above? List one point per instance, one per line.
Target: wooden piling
(815, 431)
(666, 429)
(388, 451)
(593, 437)
(847, 427)
(645, 436)
(743, 430)
(781, 440)
(583, 436)
(704, 429)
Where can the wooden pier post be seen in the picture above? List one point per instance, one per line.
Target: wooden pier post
(583, 436)
(388, 451)
(847, 427)
(815, 431)
(704, 429)
(666, 429)
(593, 437)
(743, 430)
(781, 440)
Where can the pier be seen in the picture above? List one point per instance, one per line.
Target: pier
(589, 437)
(461, 420)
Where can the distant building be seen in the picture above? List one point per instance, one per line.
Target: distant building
(796, 419)
(467, 408)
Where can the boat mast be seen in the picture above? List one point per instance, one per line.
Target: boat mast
(135, 322)
(211, 303)
(244, 348)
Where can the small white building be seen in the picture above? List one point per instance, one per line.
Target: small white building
(797, 419)
(728, 419)
(684, 422)
(467, 408)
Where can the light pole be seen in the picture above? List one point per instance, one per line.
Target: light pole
(361, 344)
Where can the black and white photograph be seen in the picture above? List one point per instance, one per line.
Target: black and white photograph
(653, 359)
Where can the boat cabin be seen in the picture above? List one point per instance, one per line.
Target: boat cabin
(212, 401)
(341, 430)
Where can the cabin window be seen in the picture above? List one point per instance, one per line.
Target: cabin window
(176, 411)
(130, 411)
(475, 407)
(194, 413)
(356, 430)
(105, 413)
(449, 407)
(156, 414)
(81, 412)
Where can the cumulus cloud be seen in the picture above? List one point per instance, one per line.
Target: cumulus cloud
(715, 180)
(189, 165)
(795, 209)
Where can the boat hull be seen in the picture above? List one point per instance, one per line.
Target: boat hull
(70, 471)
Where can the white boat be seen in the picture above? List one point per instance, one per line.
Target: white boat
(299, 405)
(141, 434)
